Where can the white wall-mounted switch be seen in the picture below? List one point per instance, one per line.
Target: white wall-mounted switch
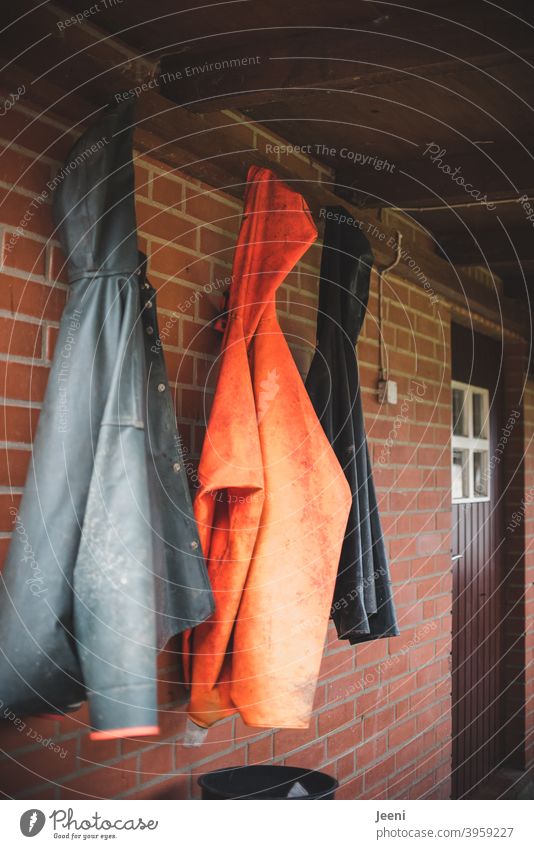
(387, 391)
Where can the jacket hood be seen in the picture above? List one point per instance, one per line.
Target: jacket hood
(279, 224)
(94, 204)
(346, 265)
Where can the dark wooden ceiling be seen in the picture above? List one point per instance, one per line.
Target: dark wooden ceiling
(360, 83)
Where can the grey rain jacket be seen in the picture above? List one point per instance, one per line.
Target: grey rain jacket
(362, 607)
(105, 563)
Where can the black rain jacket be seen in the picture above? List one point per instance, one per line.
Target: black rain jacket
(362, 607)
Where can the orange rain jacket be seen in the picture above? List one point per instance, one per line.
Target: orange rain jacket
(273, 502)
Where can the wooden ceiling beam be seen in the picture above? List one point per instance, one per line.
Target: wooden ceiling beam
(272, 64)
(87, 67)
(491, 172)
(498, 245)
(206, 82)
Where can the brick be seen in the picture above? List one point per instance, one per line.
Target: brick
(288, 739)
(310, 758)
(441, 478)
(443, 604)
(428, 717)
(408, 478)
(211, 304)
(345, 766)
(95, 752)
(303, 306)
(7, 504)
(206, 373)
(371, 700)
(143, 179)
(338, 663)
(180, 367)
(334, 717)
(23, 253)
(312, 257)
(261, 751)
(4, 545)
(156, 762)
(443, 728)
(422, 655)
(13, 467)
(39, 766)
(401, 732)
(208, 208)
(106, 782)
(221, 244)
(170, 262)
(23, 297)
(352, 789)
(51, 340)
(168, 192)
(380, 772)
(401, 501)
(178, 298)
(169, 226)
(431, 500)
(344, 740)
(433, 457)
(15, 207)
(319, 700)
(234, 758)
(200, 338)
(428, 543)
(195, 404)
(37, 135)
(220, 737)
(378, 722)
(420, 522)
(429, 587)
(402, 708)
(408, 753)
(402, 548)
(405, 594)
(296, 332)
(343, 687)
(421, 789)
(176, 787)
(397, 665)
(23, 382)
(77, 721)
(21, 735)
(26, 172)
(371, 750)
(20, 338)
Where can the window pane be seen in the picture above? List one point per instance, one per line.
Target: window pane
(460, 474)
(459, 413)
(479, 416)
(480, 473)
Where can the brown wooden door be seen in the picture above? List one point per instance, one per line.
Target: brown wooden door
(477, 571)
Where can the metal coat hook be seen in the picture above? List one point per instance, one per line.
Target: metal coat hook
(383, 372)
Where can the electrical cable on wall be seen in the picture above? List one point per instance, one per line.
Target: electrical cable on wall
(387, 390)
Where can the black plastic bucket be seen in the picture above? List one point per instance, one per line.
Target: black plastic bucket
(267, 782)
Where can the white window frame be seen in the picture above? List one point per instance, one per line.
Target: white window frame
(471, 443)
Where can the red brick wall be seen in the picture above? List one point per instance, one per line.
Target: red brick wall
(382, 720)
